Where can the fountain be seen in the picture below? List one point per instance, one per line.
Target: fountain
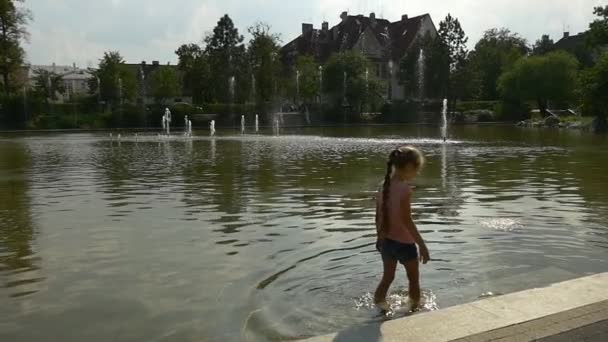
(444, 116)
(366, 79)
(212, 127)
(167, 121)
(320, 84)
(297, 85)
(242, 124)
(421, 74)
(390, 80)
(253, 90)
(186, 125)
(189, 128)
(231, 85)
(277, 126)
(257, 123)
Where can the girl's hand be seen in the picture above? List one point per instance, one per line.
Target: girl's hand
(425, 257)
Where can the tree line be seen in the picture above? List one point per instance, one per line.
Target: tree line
(224, 69)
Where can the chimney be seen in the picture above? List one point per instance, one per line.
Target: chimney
(404, 17)
(372, 16)
(325, 26)
(54, 66)
(344, 16)
(74, 66)
(566, 34)
(306, 28)
(143, 63)
(155, 63)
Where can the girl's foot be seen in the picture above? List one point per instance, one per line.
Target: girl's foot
(383, 305)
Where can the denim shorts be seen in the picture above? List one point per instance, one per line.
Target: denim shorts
(402, 252)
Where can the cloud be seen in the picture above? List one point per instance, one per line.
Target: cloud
(79, 31)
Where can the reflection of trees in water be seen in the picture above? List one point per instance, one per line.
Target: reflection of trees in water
(16, 223)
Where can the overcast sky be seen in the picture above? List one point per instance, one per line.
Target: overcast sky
(79, 31)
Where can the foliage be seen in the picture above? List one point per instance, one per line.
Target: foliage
(594, 87)
(495, 53)
(226, 55)
(263, 54)
(12, 31)
(113, 80)
(309, 78)
(598, 29)
(165, 84)
(543, 46)
(48, 84)
(194, 65)
(541, 78)
(351, 66)
(455, 41)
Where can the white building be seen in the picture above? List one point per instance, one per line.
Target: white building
(75, 80)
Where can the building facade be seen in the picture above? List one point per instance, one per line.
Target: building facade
(383, 42)
(75, 80)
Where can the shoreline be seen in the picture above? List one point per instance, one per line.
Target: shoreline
(578, 306)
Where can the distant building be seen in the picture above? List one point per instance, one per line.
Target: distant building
(75, 80)
(144, 71)
(577, 45)
(383, 42)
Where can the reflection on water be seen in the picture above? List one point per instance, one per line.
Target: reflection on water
(271, 237)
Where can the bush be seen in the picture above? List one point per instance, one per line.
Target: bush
(512, 110)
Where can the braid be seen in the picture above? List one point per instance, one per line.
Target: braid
(385, 197)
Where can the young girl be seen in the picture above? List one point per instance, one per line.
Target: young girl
(397, 233)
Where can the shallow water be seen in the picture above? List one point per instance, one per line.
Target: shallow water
(266, 238)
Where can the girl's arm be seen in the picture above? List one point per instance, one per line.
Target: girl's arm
(406, 209)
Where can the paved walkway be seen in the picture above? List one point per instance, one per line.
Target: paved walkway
(574, 310)
(588, 323)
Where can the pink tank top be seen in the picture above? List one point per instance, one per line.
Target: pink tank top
(398, 192)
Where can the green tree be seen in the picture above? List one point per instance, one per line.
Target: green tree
(309, 78)
(226, 52)
(542, 79)
(48, 84)
(361, 88)
(594, 87)
(13, 20)
(543, 46)
(263, 53)
(165, 84)
(454, 40)
(495, 53)
(194, 65)
(116, 82)
(598, 29)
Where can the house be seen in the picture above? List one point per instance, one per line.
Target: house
(383, 42)
(144, 73)
(75, 80)
(577, 45)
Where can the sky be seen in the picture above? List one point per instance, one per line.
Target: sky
(79, 31)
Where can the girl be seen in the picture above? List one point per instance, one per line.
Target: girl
(397, 233)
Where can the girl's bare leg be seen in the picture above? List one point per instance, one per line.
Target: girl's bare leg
(390, 266)
(413, 276)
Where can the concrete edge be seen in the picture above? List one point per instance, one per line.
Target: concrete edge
(484, 315)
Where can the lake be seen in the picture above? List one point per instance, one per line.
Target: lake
(262, 237)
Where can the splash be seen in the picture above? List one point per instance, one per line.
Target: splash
(399, 302)
(502, 224)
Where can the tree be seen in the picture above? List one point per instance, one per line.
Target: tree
(48, 84)
(309, 78)
(116, 82)
(165, 84)
(543, 46)
(542, 79)
(496, 52)
(594, 87)
(12, 31)
(454, 40)
(349, 69)
(598, 29)
(194, 64)
(226, 52)
(263, 54)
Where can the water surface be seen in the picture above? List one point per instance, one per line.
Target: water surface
(267, 238)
